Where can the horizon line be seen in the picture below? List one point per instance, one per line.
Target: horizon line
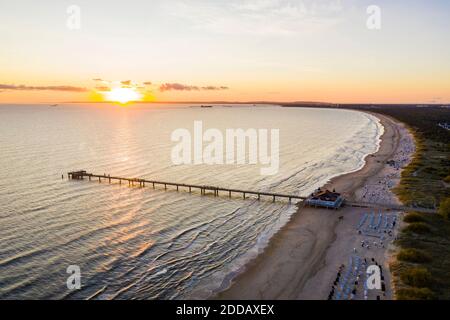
(317, 103)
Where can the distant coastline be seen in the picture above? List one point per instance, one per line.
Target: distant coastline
(287, 104)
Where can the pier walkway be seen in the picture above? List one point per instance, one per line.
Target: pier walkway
(204, 189)
(81, 175)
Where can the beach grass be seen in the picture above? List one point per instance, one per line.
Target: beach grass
(413, 255)
(428, 251)
(423, 181)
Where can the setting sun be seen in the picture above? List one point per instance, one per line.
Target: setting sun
(123, 95)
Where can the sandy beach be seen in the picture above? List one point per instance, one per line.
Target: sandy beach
(303, 259)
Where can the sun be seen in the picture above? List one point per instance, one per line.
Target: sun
(123, 95)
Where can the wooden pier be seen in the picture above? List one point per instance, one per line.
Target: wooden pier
(216, 191)
(82, 174)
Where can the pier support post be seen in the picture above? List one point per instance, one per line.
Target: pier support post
(99, 180)
(190, 190)
(244, 195)
(273, 198)
(229, 194)
(153, 185)
(165, 186)
(177, 187)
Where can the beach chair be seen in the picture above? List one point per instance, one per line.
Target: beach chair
(372, 220)
(386, 222)
(362, 221)
(380, 219)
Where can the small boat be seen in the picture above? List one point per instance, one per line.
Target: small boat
(206, 106)
(53, 105)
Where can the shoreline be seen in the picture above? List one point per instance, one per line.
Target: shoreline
(301, 260)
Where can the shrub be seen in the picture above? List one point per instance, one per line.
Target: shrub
(418, 227)
(415, 294)
(444, 208)
(416, 277)
(413, 217)
(413, 255)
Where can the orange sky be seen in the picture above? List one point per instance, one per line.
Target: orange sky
(256, 50)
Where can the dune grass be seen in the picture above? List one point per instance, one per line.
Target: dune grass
(423, 181)
(417, 277)
(417, 227)
(413, 217)
(413, 255)
(415, 294)
(428, 251)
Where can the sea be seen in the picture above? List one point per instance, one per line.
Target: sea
(144, 243)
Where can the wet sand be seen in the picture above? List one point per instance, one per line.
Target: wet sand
(301, 261)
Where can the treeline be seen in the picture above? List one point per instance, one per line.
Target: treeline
(424, 119)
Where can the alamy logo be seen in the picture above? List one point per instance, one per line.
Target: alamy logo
(74, 280)
(74, 19)
(374, 19)
(230, 150)
(373, 277)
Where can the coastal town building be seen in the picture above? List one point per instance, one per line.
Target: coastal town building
(325, 199)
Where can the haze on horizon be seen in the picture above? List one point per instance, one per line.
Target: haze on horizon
(236, 50)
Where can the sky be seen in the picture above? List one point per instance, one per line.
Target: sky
(234, 50)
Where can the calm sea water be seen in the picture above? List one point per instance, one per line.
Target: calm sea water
(133, 243)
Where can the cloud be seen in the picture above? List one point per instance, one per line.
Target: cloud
(259, 17)
(97, 79)
(41, 88)
(181, 87)
(212, 88)
(102, 88)
(177, 87)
